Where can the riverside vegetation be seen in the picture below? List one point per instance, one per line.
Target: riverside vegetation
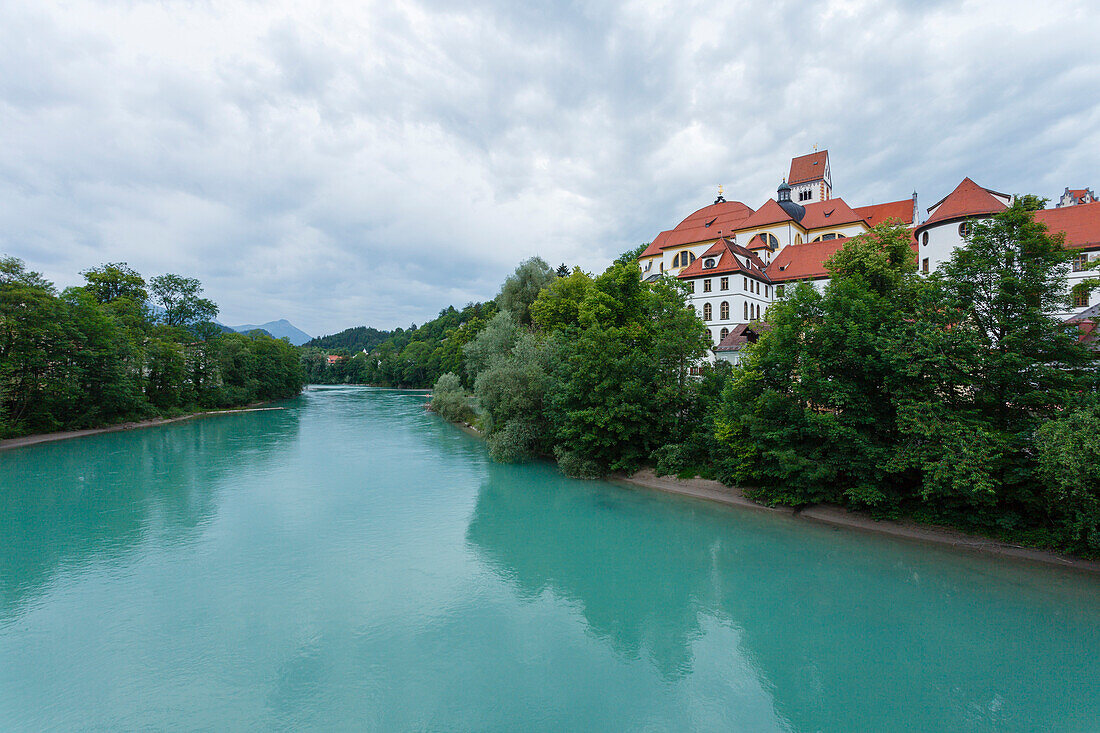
(959, 398)
(119, 348)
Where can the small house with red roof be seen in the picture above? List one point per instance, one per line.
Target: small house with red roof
(1075, 196)
(729, 285)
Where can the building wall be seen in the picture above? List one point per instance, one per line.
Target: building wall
(741, 301)
(1075, 277)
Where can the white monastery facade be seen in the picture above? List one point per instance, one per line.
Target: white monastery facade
(736, 260)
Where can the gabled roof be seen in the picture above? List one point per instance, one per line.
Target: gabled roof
(808, 167)
(730, 258)
(738, 339)
(968, 199)
(1080, 223)
(831, 213)
(770, 213)
(709, 222)
(879, 213)
(804, 261)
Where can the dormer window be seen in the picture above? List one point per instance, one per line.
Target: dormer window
(708, 263)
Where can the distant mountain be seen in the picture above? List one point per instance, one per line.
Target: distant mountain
(352, 339)
(281, 328)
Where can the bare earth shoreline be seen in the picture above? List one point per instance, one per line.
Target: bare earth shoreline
(835, 516)
(26, 440)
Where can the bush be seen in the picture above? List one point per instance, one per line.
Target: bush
(449, 399)
(576, 466)
(1069, 466)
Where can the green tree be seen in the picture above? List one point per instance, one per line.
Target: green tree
(522, 287)
(1030, 202)
(115, 280)
(179, 298)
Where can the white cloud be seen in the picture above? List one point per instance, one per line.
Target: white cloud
(372, 163)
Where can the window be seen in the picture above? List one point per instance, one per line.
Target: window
(725, 332)
(706, 286)
(744, 283)
(1080, 262)
(725, 284)
(746, 310)
(683, 259)
(805, 195)
(1080, 300)
(924, 266)
(767, 291)
(965, 229)
(826, 237)
(798, 239)
(779, 291)
(706, 311)
(724, 311)
(924, 239)
(691, 286)
(770, 240)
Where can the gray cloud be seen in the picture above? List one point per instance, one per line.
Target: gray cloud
(371, 164)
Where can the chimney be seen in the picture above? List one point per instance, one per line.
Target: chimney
(916, 210)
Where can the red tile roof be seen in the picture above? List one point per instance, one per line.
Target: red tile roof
(1080, 223)
(730, 258)
(968, 199)
(704, 224)
(808, 167)
(878, 213)
(833, 212)
(769, 213)
(737, 339)
(804, 261)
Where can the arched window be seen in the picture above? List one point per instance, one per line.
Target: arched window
(770, 240)
(706, 311)
(826, 237)
(798, 239)
(724, 309)
(725, 332)
(746, 310)
(964, 229)
(924, 239)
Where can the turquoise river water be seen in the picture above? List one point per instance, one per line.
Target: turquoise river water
(352, 562)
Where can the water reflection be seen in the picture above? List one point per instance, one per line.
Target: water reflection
(93, 500)
(841, 629)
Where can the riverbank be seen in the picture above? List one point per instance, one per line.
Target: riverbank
(26, 440)
(839, 517)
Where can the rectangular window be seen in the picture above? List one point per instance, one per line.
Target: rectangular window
(1080, 262)
(779, 291)
(767, 291)
(745, 284)
(691, 286)
(706, 286)
(725, 283)
(924, 266)
(1080, 300)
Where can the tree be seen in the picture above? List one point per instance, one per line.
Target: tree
(1030, 202)
(115, 280)
(180, 301)
(522, 287)
(630, 257)
(563, 270)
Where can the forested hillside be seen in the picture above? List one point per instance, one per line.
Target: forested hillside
(119, 348)
(349, 340)
(413, 357)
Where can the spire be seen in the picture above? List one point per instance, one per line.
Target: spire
(719, 200)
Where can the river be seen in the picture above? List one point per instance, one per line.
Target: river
(352, 562)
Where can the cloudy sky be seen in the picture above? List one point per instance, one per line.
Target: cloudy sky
(353, 163)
